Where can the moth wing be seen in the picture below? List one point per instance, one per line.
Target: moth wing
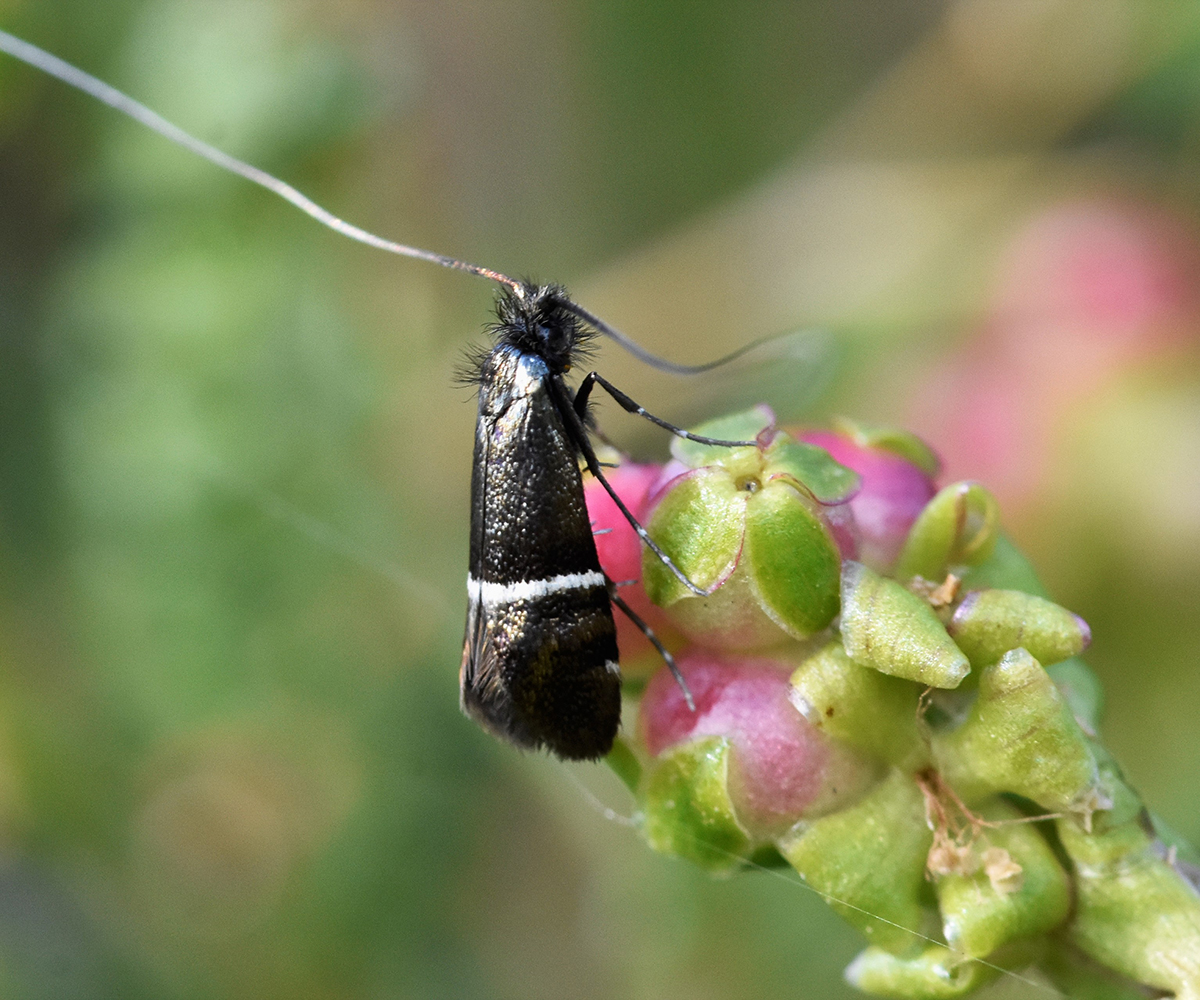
(539, 669)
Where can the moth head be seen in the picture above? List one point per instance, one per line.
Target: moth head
(534, 319)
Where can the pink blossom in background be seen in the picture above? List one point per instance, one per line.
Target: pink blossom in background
(1084, 291)
(620, 549)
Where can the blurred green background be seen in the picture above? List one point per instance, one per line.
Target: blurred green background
(234, 467)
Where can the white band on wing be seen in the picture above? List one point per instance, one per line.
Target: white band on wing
(489, 593)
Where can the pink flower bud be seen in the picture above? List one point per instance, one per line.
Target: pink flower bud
(620, 550)
(894, 491)
(781, 769)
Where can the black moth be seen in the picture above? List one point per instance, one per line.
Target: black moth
(540, 660)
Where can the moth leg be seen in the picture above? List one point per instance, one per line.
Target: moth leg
(578, 432)
(629, 406)
(589, 421)
(648, 632)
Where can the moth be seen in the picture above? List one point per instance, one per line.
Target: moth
(540, 661)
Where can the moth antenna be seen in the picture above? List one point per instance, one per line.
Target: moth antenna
(97, 88)
(653, 360)
(40, 59)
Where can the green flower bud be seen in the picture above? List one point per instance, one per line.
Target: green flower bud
(701, 524)
(935, 973)
(957, 528)
(1008, 886)
(888, 627)
(989, 623)
(687, 810)
(749, 521)
(807, 465)
(869, 862)
(746, 425)
(1133, 911)
(1021, 737)
(862, 707)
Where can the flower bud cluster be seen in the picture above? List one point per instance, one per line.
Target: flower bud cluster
(885, 699)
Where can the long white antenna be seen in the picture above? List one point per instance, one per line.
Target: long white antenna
(38, 58)
(77, 78)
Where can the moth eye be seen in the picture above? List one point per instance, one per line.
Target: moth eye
(566, 368)
(554, 338)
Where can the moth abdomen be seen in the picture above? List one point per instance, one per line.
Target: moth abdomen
(540, 663)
